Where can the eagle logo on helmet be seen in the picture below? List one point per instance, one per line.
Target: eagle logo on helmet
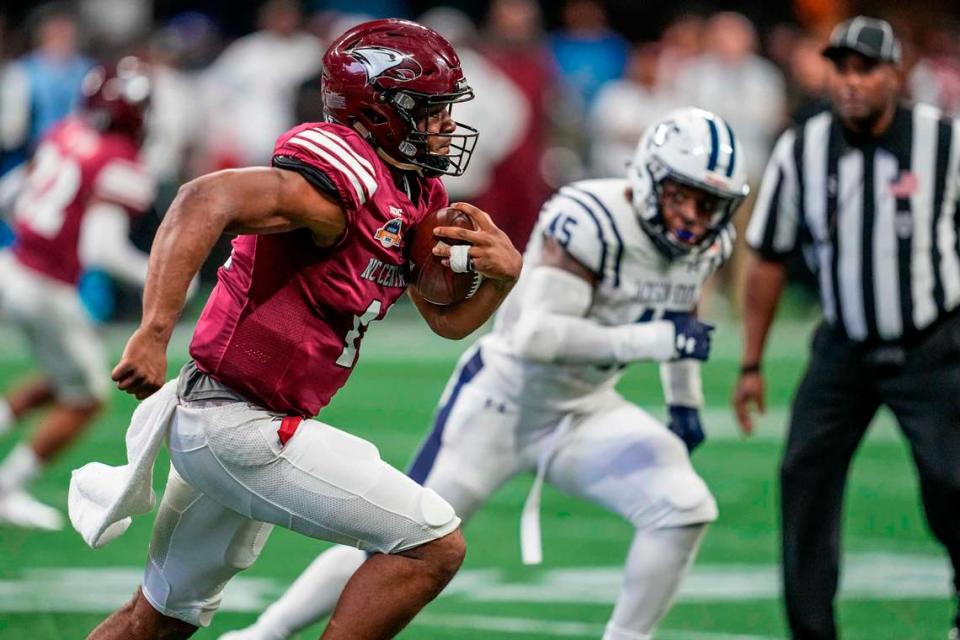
(381, 62)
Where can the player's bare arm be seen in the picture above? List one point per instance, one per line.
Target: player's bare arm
(765, 282)
(256, 201)
(493, 256)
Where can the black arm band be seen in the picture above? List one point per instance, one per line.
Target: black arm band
(316, 177)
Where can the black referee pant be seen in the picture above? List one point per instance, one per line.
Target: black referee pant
(841, 391)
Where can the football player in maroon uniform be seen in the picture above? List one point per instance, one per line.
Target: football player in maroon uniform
(280, 335)
(81, 188)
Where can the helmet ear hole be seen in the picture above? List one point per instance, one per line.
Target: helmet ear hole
(372, 115)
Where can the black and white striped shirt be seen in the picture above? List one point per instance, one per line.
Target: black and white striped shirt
(877, 220)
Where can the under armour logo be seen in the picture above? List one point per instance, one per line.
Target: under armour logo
(686, 345)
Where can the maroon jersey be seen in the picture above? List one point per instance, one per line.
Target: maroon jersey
(74, 166)
(284, 323)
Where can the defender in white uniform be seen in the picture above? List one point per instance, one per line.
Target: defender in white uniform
(612, 275)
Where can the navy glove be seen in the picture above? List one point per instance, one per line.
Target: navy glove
(693, 337)
(685, 422)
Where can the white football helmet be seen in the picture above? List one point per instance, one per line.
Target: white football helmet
(696, 148)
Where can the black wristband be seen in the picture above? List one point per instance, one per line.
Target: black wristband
(749, 368)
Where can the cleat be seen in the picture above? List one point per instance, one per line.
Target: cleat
(20, 509)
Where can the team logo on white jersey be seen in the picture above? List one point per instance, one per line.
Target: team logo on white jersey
(382, 62)
(389, 234)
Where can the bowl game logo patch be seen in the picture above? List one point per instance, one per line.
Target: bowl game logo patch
(389, 234)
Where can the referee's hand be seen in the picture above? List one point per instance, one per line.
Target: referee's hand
(749, 390)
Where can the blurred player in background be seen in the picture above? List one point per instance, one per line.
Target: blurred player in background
(536, 395)
(41, 87)
(73, 211)
(321, 256)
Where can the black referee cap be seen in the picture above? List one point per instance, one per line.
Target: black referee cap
(870, 37)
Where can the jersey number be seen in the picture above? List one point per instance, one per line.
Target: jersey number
(561, 228)
(352, 339)
(52, 184)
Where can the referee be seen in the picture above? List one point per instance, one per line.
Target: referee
(868, 192)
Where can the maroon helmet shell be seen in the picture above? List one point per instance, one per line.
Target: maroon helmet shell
(115, 97)
(381, 77)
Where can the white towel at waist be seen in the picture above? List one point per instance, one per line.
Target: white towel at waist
(102, 498)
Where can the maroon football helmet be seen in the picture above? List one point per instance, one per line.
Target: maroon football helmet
(115, 97)
(383, 77)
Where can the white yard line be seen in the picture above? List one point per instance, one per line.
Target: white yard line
(678, 634)
(718, 421)
(559, 629)
(556, 628)
(866, 576)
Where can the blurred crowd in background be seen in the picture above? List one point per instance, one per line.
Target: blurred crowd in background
(556, 99)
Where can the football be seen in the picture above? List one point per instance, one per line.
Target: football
(436, 283)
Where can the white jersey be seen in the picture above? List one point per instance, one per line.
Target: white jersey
(596, 224)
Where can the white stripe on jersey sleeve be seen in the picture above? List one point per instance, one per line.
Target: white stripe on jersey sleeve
(127, 183)
(314, 149)
(339, 148)
(329, 135)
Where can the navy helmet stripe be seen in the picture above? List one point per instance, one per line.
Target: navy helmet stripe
(618, 261)
(715, 145)
(603, 241)
(423, 462)
(733, 150)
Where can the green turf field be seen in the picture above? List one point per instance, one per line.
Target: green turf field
(896, 584)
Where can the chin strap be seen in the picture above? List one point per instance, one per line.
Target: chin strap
(386, 157)
(393, 162)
